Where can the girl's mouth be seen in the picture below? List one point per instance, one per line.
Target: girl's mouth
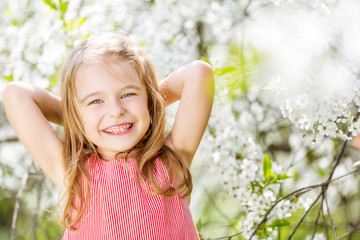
(118, 129)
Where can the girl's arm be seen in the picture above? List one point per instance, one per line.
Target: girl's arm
(193, 85)
(29, 109)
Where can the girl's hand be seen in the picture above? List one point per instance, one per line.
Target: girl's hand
(193, 85)
(29, 110)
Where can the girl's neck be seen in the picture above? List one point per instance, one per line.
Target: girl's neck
(132, 153)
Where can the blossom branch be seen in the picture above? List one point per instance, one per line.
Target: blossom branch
(324, 186)
(299, 192)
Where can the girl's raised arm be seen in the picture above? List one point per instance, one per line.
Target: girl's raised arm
(193, 85)
(29, 110)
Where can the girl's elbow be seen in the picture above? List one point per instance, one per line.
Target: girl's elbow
(13, 88)
(204, 69)
(14, 93)
(207, 77)
(10, 91)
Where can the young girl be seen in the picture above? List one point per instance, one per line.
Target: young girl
(122, 178)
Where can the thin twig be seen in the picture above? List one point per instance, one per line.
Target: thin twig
(317, 220)
(17, 205)
(9, 139)
(329, 214)
(337, 159)
(303, 217)
(354, 229)
(325, 225)
(246, 8)
(227, 237)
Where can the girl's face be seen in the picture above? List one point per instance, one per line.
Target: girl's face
(112, 103)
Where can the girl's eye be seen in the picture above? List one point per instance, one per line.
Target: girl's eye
(127, 95)
(95, 101)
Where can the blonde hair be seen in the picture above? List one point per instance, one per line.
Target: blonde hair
(78, 148)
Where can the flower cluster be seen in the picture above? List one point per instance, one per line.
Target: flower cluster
(325, 106)
(312, 3)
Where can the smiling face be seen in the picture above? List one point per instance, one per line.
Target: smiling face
(113, 106)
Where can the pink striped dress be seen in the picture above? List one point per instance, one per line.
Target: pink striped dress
(119, 208)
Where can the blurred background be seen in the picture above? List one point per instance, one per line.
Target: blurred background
(285, 114)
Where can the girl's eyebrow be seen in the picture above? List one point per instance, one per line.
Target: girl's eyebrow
(127, 87)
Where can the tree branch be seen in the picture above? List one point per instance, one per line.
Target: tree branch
(299, 192)
(17, 204)
(9, 139)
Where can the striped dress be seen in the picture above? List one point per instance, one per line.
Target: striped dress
(119, 208)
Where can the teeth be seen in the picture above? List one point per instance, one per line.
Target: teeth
(117, 129)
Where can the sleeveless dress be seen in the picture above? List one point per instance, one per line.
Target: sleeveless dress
(119, 208)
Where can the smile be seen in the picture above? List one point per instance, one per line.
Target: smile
(118, 128)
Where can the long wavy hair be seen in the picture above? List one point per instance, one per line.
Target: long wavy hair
(78, 148)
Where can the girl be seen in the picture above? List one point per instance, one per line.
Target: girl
(120, 176)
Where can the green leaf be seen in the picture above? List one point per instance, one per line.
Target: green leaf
(70, 25)
(53, 80)
(279, 223)
(143, 43)
(267, 168)
(8, 11)
(206, 60)
(9, 78)
(80, 21)
(356, 164)
(225, 70)
(116, 26)
(198, 225)
(282, 176)
(84, 36)
(15, 22)
(269, 87)
(50, 3)
(63, 6)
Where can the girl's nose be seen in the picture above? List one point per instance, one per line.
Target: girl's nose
(116, 109)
